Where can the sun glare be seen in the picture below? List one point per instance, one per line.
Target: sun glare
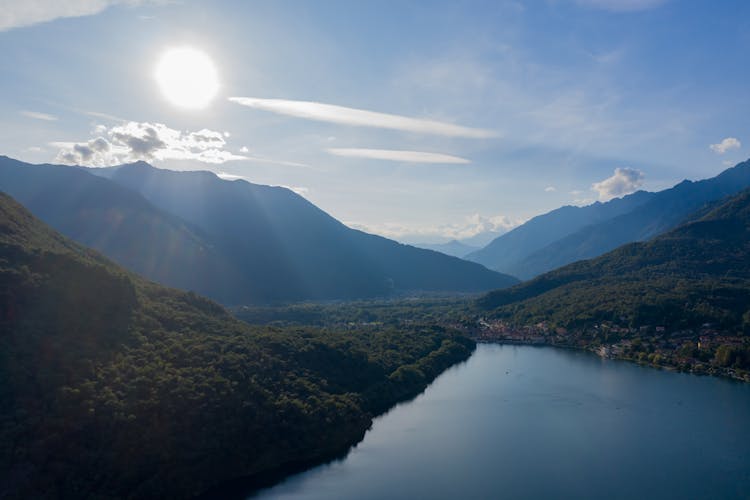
(187, 77)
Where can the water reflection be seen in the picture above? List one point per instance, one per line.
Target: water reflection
(534, 422)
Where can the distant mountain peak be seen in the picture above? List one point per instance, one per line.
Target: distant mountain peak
(238, 243)
(569, 234)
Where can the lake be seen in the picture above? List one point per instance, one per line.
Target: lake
(540, 422)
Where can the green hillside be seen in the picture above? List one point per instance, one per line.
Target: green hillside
(697, 273)
(115, 387)
(686, 294)
(570, 234)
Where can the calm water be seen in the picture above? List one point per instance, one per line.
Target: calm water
(534, 422)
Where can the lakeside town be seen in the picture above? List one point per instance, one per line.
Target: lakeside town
(706, 350)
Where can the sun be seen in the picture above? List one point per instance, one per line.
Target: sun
(187, 77)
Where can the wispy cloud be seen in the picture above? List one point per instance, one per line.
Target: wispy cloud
(146, 141)
(623, 181)
(105, 116)
(39, 116)
(271, 161)
(19, 13)
(550, 189)
(361, 118)
(725, 145)
(398, 155)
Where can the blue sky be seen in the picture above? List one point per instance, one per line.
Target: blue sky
(414, 119)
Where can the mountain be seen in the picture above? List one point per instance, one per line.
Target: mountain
(508, 250)
(121, 224)
(695, 274)
(233, 241)
(637, 217)
(115, 387)
(482, 239)
(453, 247)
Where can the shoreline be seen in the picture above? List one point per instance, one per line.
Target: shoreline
(253, 484)
(712, 371)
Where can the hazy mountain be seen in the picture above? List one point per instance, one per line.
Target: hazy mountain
(696, 273)
(453, 247)
(115, 387)
(506, 251)
(664, 211)
(481, 240)
(570, 234)
(234, 241)
(120, 223)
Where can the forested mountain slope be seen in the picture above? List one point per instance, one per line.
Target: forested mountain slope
(695, 274)
(115, 387)
(576, 233)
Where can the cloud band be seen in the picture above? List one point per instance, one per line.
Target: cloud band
(331, 113)
(398, 155)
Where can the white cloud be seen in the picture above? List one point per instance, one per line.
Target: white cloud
(623, 181)
(104, 116)
(300, 190)
(472, 225)
(725, 145)
(550, 189)
(582, 202)
(18, 13)
(146, 141)
(270, 161)
(622, 5)
(361, 118)
(229, 177)
(39, 116)
(398, 155)
(244, 149)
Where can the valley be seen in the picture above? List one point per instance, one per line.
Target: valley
(295, 250)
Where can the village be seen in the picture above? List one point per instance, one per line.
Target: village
(706, 350)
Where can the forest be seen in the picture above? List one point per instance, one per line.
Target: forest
(158, 393)
(681, 299)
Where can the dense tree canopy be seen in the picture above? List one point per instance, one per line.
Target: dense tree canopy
(116, 387)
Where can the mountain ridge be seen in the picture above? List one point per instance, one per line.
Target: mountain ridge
(696, 273)
(510, 248)
(631, 220)
(234, 241)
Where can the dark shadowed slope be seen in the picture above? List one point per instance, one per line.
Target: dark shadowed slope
(114, 387)
(120, 223)
(505, 252)
(664, 211)
(694, 274)
(277, 237)
(233, 241)
(547, 242)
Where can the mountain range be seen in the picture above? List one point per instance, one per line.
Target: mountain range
(453, 247)
(569, 234)
(233, 241)
(695, 274)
